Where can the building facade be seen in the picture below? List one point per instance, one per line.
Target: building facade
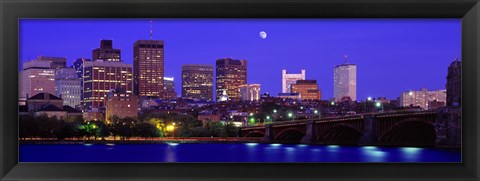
(422, 98)
(307, 89)
(250, 92)
(148, 64)
(454, 84)
(106, 52)
(55, 62)
(289, 79)
(169, 88)
(78, 65)
(121, 104)
(36, 77)
(68, 86)
(197, 81)
(231, 74)
(345, 81)
(100, 77)
(289, 95)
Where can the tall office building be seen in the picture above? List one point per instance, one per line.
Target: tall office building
(231, 74)
(250, 92)
(36, 77)
(55, 62)
(422, 98)
(197, 81)
(100, 77)
(169, 88)
(78, 65)
(289, 79)
(68, 86)
(307, 89)
(106, 52)
(345, 81)
(148, 65)
(454, 83)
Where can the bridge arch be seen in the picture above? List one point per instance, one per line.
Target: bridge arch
(410, 132)
(341, 134)
(293, 135)
(255, 134)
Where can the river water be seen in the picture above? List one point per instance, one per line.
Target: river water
(238, 152)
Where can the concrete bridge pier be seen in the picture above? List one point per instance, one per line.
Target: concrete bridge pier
(268, 134)
(369, 136)
(310, 134)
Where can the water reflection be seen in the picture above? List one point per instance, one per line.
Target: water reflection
(242, 152)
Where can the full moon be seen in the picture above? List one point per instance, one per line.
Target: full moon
(263, 35)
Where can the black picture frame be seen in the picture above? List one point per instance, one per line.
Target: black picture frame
(11, 11)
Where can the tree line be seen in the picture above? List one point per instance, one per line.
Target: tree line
(151, 125)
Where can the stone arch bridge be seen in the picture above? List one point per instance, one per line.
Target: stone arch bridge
(420, 128)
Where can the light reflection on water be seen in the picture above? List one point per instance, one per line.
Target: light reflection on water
(241, 152)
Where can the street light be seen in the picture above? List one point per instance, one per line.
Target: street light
(332, 103)
(268, 118)
(378, 104)
(172, 129)
(365, 104)
(290, 115)
(317, 113)
(274, 111)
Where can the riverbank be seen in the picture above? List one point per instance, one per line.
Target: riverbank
(146, 141)
(205, 140)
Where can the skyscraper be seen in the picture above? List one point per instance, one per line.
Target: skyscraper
(78, 65)
(454, 84)
(345, 81)
(197, 81)
(250, 92)
(100, 77)
(36, 77)
(67, 86)
(289, 79)
(148, 65)
(106, 52)
(230, 75)
(169, 85)
(307, 89)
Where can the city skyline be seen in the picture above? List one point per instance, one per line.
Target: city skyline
(442, 45)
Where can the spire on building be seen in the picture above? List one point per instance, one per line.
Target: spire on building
(345, 59)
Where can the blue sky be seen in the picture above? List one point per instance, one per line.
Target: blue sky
(392, 55)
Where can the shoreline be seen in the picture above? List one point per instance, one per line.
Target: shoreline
(204, 141)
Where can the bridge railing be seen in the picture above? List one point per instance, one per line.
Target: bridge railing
(342, 118)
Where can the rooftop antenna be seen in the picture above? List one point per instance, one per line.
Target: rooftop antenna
(345, 59)
(151, 31)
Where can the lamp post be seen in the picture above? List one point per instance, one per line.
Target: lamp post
(378, 104)
(268, 118)
(317, 113)
(173, 130)
(274, 114)
(365, 105)
(290, 115)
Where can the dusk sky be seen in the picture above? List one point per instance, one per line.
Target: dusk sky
(392, 55)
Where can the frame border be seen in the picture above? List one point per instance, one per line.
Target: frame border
(11, 11)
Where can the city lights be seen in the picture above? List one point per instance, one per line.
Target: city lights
(114, 97)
